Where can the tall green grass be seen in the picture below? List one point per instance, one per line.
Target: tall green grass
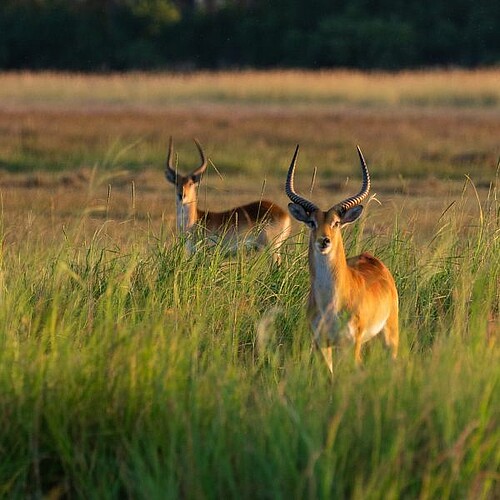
(129, 370)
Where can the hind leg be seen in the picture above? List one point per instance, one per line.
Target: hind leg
(275, 252)
(276, 258)
(391, 334)
(277, 238)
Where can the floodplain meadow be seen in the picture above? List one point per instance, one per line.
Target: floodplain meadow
(130, 370)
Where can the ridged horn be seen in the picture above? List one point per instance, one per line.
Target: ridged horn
(170, 172)
(290, 190)
(352, 201)
(204, 162)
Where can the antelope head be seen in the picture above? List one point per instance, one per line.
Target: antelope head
(185, 185)
(325, 225)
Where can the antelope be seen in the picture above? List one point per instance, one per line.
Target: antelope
(256, 224)
(350, 299)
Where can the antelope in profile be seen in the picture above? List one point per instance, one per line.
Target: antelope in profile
(350, 299)
(256, 224)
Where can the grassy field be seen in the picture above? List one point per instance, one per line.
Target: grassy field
(129, 370)
(456, 88)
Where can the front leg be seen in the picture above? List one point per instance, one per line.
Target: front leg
(328, 356)
(322, 341)
(357, 350)
(190, 242)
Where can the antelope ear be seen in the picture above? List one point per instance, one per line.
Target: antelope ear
(298, 212)
(351, 215)
(171, 176)
(196, 178)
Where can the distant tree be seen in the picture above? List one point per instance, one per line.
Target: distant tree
(129, 34)
(156, 13)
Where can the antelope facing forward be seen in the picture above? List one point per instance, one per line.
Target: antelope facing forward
(350, 299)
(256, 224)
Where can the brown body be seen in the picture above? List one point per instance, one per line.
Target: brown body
(257, 224)
(249, 216)
(351, 299)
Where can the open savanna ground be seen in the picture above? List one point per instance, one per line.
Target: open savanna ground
(129, 369)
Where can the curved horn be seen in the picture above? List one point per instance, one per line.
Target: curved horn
(290, 190)
(204, 162)
(170, 172)
(352, 201)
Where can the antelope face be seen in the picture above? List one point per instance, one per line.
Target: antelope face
(326, 231)
(185, 189)
(325, 226)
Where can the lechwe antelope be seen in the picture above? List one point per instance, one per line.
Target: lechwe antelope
(350, 299)
(256, 224)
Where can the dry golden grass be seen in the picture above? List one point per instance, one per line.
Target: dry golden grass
(294, 88)
(257, 142)
(120, 124)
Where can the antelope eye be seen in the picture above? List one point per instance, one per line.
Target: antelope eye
(311, 224)
(335, 223)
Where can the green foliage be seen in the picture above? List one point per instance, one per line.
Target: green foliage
(152, 34)
(355, 42)
(84, 35)
(127, 369)
(158, 13)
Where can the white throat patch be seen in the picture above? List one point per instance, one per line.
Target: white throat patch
(182, 217)
(324, 285)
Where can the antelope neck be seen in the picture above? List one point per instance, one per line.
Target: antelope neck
(328, 275)
(187, 215)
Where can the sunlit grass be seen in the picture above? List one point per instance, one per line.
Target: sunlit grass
(127, 369)
(456, 88)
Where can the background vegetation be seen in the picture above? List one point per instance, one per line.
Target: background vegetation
(90, 35)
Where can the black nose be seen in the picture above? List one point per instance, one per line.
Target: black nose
(326, 242)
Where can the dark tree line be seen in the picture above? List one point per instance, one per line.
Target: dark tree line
(99, 35)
